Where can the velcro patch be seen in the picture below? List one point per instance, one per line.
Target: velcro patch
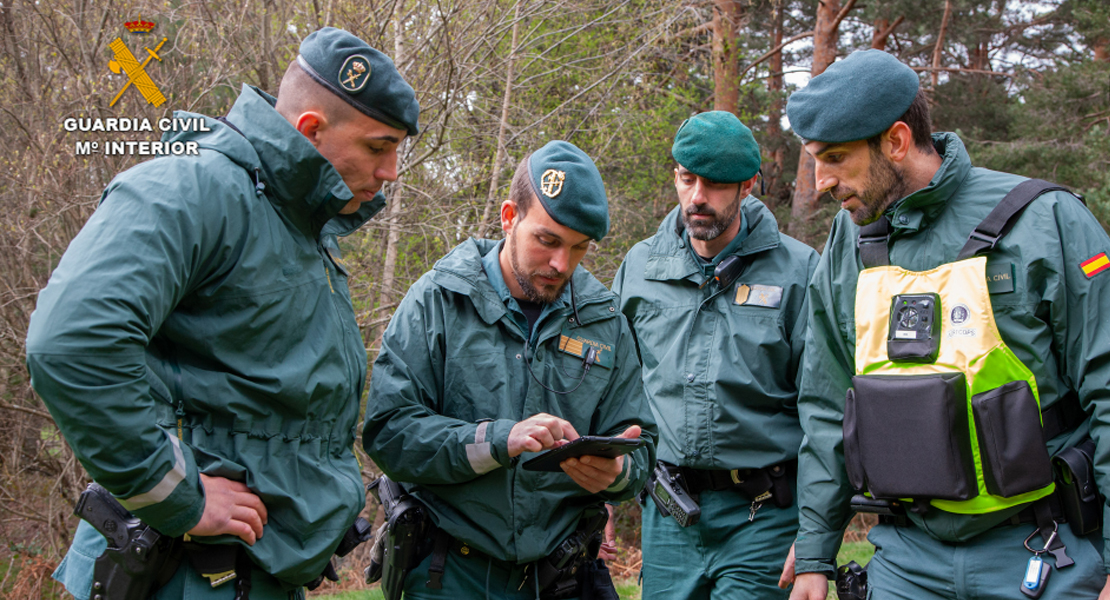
(1095, 265)
(767, 296)
(1000, 278)
(577, 345)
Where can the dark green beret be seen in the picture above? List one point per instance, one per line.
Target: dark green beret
(717, 146)
(569, 186)
(360, 75)
(854, 99)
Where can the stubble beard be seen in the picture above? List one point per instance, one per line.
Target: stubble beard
(714, 228)
(532, 292)
(886, 183)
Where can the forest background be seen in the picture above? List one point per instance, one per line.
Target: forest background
(1026, 84)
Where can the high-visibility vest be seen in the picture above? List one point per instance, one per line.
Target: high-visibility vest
(963, 430)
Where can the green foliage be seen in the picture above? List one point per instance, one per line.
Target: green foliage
(1060, 133)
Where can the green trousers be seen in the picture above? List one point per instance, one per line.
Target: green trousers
(723, 557)
(911, 565)
(472, 577)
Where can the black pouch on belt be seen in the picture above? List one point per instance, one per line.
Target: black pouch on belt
(1075, 487)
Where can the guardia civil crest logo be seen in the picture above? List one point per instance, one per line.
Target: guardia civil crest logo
(551, 182)
(354, 73)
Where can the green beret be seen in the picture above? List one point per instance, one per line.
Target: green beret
(569, 186)
(854, 99)
(360, 75)
(717, 146)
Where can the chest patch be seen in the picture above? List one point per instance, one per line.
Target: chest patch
(767, 296)
(576, 345)
(1000, 278)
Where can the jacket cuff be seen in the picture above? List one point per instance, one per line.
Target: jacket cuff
(177, 511)
(491, 445)
(624, 478)
(817, 553)
(815, 566)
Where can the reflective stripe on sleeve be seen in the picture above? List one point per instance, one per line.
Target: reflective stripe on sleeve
(480, 453)
(165, 487)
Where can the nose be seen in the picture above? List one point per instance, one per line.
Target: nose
(560, 260)
(697, 195)
(824, 179)
(387, 169)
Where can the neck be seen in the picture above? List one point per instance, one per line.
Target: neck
(919, 171)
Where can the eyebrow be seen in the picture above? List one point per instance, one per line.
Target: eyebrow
(825, 148)
(383, 138)
(541, 230)
(684, 171)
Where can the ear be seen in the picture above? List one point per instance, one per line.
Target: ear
(508, 216)
(897, 141)
(311, 124)
(747, 186)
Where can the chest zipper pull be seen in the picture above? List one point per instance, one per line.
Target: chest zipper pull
(259, 186)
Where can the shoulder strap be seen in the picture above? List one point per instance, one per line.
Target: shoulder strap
(998, 223)
(872, 243)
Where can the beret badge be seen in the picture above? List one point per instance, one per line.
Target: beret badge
(551, 182)
(354, 73)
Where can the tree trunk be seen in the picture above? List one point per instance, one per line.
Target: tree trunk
(727, 15)
(776, 145)
(826, 33)
(938, 50)
(1102, 50)
(499, 155)
(267, 50)
(883, 30)
(393, 239)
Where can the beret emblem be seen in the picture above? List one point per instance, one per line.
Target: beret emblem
(551, 183)
(354, 73)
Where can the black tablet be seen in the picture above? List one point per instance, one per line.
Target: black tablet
(587, 445)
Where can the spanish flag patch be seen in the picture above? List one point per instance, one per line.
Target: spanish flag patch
(1095, 265)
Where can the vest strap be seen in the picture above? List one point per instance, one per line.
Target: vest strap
(872, 243)
(998, 223)
(1063, 416)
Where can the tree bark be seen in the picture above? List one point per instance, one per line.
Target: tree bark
(727, 15)
(776, 149)
(393, 238)
(938, 50)
(826, 33)
(499, 154)
(883, 30)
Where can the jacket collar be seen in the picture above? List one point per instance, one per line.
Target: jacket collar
(461, 271)
(925, 205)
(669, 259)
(300, 183)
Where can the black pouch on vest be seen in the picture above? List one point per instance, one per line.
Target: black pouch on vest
(914, 436)
(1011, 443)
(852, 462)
(1075, 487)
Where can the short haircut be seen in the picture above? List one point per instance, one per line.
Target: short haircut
(919, 122)
(299, 93)
(520, 190)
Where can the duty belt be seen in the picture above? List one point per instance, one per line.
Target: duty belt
(767, 483)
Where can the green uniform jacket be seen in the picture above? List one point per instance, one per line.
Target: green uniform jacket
(1055, 320)
(451, 381)
(186, 292)
(722, 378)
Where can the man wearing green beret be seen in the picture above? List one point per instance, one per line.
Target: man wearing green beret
(957, 341)
(196, 344)
(716, 301)
(505, 349)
